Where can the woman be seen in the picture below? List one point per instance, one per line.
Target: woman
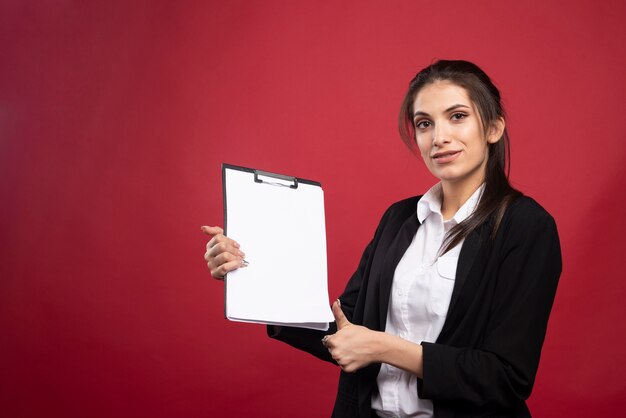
(447, 311)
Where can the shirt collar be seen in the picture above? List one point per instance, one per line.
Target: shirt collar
(431, 203)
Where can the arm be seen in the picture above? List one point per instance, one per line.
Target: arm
(501, 368)
(354, 347)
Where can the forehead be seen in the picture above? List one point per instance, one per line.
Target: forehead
(439, 96)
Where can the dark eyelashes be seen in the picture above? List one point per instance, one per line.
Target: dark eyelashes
(457, 116)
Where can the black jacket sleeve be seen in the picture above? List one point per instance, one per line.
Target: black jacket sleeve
(501, 369)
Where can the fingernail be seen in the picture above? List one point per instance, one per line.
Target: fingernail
(241, 253)
(338, 302)
(236, 244)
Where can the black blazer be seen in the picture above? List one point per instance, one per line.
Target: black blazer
(484, 361)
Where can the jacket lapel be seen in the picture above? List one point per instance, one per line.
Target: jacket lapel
(466, 260)
(396, 250)
(469, 252)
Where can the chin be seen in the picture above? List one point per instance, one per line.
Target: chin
(448, 176)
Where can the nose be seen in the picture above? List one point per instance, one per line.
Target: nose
(440, 135)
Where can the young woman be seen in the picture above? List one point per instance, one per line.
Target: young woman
(447, 311)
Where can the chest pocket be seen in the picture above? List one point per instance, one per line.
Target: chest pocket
(442, 284)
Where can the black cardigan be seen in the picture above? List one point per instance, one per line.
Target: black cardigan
(485, 359)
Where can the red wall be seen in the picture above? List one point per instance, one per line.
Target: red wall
(115, 117)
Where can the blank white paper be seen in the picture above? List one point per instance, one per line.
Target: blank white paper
(283, 233)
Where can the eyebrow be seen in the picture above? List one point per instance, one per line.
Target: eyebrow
(451, 108)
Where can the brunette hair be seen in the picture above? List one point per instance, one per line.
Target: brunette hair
(498, 193)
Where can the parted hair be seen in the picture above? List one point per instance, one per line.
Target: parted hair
(498, 192)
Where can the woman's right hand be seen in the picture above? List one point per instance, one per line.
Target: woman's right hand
(222, 253)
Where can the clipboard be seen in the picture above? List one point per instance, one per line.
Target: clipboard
(279, 222)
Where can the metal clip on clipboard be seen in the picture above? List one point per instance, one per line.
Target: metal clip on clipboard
(291, 182)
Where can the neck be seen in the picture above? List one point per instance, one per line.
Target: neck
(455, 194)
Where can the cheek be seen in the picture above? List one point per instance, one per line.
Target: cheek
(423, 145)
(424, 153)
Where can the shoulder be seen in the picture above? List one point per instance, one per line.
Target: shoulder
(401, 210)
(525, 216)
(525, 208)
(405, 205)
(396, 215)
(528, 237)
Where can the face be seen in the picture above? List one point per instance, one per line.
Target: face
(449, 134)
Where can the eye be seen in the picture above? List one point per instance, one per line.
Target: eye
(458, 116)
(422, 124)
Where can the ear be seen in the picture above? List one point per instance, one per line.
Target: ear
(496, 131)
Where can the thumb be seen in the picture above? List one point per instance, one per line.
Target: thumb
(340, 317)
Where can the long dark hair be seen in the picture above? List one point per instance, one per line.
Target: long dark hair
(498, 193)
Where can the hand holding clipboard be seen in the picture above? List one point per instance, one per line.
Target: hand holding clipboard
(281, 287)
(223, 254)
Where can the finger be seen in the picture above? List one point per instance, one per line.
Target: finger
(220, 271)
(212, 230)
(340, 317)
(348, 368)
(225, 247)
(222, 258)
(219, 238)
(325, 340)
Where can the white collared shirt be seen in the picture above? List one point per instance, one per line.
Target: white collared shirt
(419, 300)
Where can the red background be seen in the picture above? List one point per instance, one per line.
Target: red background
(116, 116)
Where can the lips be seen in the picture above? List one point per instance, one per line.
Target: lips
(444, 157)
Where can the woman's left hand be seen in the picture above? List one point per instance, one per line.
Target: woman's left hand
(352, 346)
